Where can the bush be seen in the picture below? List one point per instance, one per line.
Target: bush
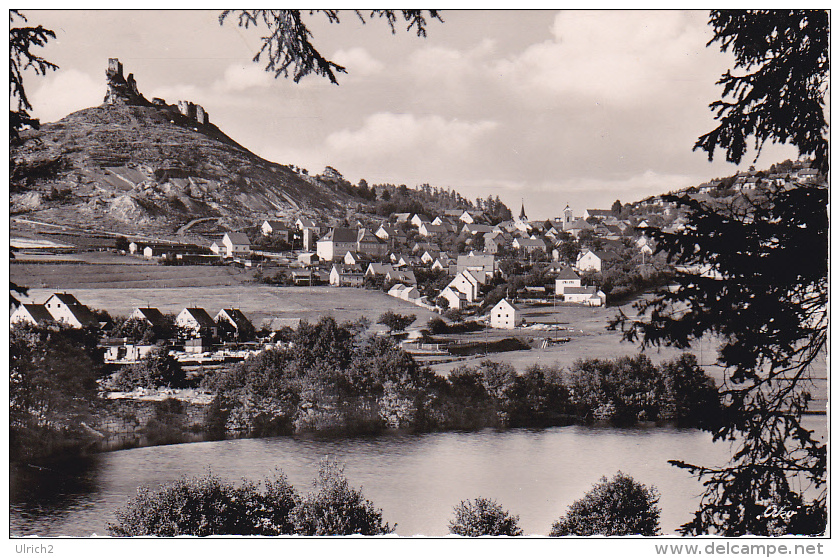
(157, 369)
(335, 508)
(483, 517)
(616, 507)
(208, 505)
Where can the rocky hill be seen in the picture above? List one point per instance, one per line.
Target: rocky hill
(133, 165)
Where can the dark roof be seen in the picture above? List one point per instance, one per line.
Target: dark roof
(236, 316)
(67, 299)
(566, 273)
(201, 316)
(38, 312)
(153, 315)
(340, 234)
(83, 314)
(580, 290)
(238, 238)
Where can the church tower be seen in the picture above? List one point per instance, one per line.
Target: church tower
(522, 216)
(568, 217)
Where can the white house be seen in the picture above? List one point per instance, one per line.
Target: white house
(217, 248)
(404, 292)
(276, 228)
(66, 308)
(375, 269)
(505, 315)
(419, 219)
(346, 276)
(337, 243)
(31, 313)
(469, 283)
(588, 296)
(565, 278)
(236, 244)
(588, 260)
(457, 300)
(196, 322)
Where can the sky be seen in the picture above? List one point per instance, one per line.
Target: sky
(545, 108)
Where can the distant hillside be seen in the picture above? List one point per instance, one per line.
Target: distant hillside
(134, 164)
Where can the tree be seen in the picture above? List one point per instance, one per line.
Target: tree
(616, 208)
(288, 46)
(780, 97)
(52, 386)
(755, 277)
(617, 507)
(335, 508)
(208, 505)
(121, 243)
(483, 517)
(157, 369)
(395, 321)
(21, 58)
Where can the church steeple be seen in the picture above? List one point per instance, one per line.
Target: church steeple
(522, 216)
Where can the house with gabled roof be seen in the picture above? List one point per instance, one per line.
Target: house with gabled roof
(467, 282)
(456, 299)
(485, 263)
(589, 260)
(471, 216)
(31, 313)
(234, 320)
(419, 219)
(505, 315)
(529, 245)
(405, 292)
(588, 296)
(475, 228)
(346, 276)
(275, 228)
(64, 307)
(405, 276)
(236, 244)
(336, 243)
(376, 269)
(196, 322)
(428, 229)
(355, 258)
(152, 316)
(565, 278)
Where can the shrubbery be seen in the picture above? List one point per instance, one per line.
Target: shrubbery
(209, 505)
(339, 378)
(483, 517)
(617, 507)
(157, 369)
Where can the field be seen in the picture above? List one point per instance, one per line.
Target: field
(258, 302)
(105, 270)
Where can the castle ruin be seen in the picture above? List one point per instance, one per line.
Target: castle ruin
(123, 91)
(194, 112)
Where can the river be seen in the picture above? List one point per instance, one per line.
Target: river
(415, 479)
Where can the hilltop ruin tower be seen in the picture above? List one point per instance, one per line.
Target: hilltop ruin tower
(121, 91)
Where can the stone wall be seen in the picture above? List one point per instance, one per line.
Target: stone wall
(131, 416)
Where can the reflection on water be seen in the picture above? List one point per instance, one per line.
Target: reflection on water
(415, 479)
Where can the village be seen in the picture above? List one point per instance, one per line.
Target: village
(455, 264)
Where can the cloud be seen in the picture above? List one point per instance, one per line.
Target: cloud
(242, 77)
(63, 92)
(624, 57)
(386, 135)
(358, 62)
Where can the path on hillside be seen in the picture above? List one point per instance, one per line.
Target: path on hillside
(186, 227)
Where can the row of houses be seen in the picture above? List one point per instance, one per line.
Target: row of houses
(193, 322)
